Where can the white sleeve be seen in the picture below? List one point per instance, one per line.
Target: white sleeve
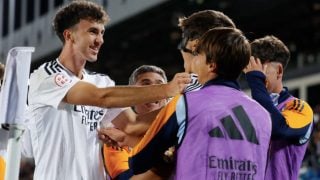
(25, 142)
(51, 89)
(26, 145)
(110, 115)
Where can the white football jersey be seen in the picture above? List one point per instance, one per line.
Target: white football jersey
(64, 139)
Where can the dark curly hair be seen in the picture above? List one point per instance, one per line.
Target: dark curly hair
(270, 49)
(72, 13)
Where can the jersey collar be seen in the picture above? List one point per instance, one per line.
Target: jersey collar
(223, 82)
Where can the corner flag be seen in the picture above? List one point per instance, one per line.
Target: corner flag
(13, 98)
(15, 85)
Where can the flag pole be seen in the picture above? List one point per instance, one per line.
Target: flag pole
(14, 152)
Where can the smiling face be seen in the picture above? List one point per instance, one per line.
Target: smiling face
(86, 38)
(149, 78)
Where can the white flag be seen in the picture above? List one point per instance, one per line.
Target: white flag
(13, 96)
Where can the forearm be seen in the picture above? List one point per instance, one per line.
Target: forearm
(141, 124)
(125, 96)
(84, 93)
(256, 81)
(136, 129)
(132, 141)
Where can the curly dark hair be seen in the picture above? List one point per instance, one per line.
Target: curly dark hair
(200, 22)
(228, 48)
(72, 13)
(270, 49)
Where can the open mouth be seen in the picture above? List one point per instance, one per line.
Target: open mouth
(95, 49)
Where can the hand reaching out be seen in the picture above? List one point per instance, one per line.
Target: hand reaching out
(255, 65)
(178, 83)
(112, 136)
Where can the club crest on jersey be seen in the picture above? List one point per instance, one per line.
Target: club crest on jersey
(61, 79)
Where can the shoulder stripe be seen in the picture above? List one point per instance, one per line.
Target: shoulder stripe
(301, 108)
(297, 107)
(297, 113)
(58, 67)
(46, 68)
(294, 104)
(52, 67)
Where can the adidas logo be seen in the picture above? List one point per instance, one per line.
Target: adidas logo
(231, 128)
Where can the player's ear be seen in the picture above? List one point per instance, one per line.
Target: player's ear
(212, 67)
(68, 35)
(279, 71)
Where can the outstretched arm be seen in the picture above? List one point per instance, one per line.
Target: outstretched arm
(83, 93)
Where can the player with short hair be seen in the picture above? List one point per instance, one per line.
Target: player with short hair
(219, 130)
(292, 118)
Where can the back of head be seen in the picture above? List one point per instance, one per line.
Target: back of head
(72, 13)
(270, 49)
(228, 48)
(145, 69)
(200, 22)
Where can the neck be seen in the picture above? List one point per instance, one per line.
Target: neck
(71, 61)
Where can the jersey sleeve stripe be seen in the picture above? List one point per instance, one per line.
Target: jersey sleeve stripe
(301, 108)
(298, 106)
(295, 117)
(115, 160)
(46, 68)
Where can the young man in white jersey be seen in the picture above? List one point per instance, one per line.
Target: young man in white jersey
(67, 103)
